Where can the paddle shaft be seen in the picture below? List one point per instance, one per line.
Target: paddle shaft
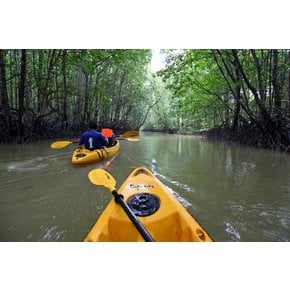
(144, 233)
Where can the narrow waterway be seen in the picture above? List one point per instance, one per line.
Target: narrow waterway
(236, 193)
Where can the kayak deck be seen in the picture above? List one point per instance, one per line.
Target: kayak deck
(169, 221)
(84, 156)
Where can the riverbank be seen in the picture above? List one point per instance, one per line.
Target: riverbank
(250, 135)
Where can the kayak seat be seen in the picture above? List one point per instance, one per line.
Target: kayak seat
(179, 230)
(122, 230)
(170, 228)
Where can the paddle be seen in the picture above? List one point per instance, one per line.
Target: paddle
(61, 144)
(64, 143)
(106, 132)
(130, 134)
(102, 177)
(132, 139)
(129, 139)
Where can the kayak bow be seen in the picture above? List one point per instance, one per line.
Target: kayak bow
(161, 214)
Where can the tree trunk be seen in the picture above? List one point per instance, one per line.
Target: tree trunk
(21, 92)
(251, 87)
(261, 84)
(276, 84)
(5, 118)
(86, 114)
(64, 112)
(237, 109)
(288, 84)
(3, 86)
(233, 79)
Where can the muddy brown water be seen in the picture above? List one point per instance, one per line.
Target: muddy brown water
(236, 193)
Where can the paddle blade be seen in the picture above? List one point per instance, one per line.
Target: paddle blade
(132, 139)
(130, 134)
(60, 144)
(102, 177)
(106, 132)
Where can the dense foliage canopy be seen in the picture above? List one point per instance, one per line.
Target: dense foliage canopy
(243, 94)
(46, 93)
(237, 95)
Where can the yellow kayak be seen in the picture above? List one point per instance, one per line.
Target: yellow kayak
(155, 207)
(84, 156)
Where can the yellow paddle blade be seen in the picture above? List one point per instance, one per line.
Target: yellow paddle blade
(102, 177)
(130, 134)
(60, 144)
(132, 139)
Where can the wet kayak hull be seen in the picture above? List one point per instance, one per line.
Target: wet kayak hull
(84, 156)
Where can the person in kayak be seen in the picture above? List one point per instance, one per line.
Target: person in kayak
(92, 139)
(112, 140)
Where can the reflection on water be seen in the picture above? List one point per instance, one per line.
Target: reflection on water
(236, 193)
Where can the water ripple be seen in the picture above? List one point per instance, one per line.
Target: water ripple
(232, 231)
(183, 201)
(52, 233)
